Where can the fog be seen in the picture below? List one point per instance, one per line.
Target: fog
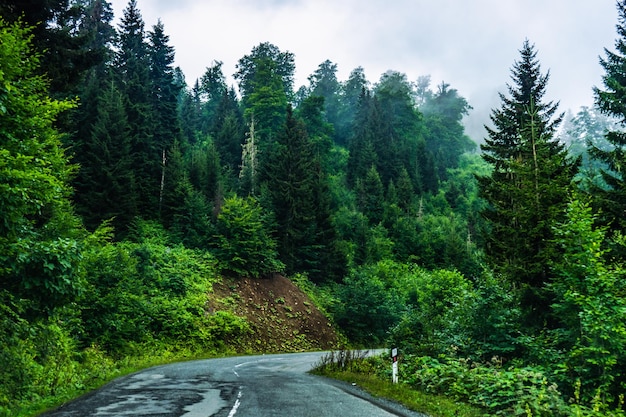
(469, 45)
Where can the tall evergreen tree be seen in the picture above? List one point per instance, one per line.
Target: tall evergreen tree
(106, 175)
(63, 34)
(324, 84)
(367, 128)
(445, 135)
(247, 69)
(397, 145)
(293, 180)
(528, 188)
(165, 93)
(99, 105)
(351, 92)
(213, 88)
(229, 131)
(370, 195)
(133, 72)
(190, 114)
(612, 101)
(165, 89)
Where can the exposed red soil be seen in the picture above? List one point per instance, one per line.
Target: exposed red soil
(282, 318)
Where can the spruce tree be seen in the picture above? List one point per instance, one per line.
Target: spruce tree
(612, 101)
(527, 191)
(296, 190)
(213, 88)
(349, 98)
(106, 175)
(132, 67)
(229, 131)
(324, 84)
(165, 89)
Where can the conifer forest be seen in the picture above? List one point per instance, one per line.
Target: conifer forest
(495, 264)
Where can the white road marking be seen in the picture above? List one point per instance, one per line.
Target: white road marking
(233, 411)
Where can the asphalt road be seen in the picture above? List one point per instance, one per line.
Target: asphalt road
(250, 386)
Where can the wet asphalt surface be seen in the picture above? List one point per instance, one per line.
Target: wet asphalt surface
(249, 386)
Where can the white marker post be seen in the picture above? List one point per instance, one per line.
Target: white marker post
(394, 365)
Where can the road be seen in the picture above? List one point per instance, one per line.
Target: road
(249, 386)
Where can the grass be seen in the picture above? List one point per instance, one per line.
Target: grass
(350, 367)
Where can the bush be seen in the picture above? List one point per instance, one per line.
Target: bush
(243, 243)
(439, 317)
(511, 391)
(368, 305)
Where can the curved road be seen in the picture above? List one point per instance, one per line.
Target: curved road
(250, 386)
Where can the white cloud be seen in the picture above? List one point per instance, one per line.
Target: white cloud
(470, 45)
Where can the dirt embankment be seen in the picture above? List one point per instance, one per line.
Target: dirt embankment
(281, 316)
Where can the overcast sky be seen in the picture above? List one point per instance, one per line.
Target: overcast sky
(470, 45)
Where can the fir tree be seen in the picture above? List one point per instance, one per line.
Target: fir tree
(292, 178)
(106, 173)
(133, 73)
(229, 131)
(612, 101)
(528, 188)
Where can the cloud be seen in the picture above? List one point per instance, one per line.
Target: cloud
(470, 45)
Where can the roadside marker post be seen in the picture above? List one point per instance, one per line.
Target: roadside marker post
(394, 365)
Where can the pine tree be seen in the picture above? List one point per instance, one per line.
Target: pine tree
(397, 142)
(370, 196)
(611, 101)
(190, 114)
(361, 146)
(106, 166)
(133, 73)
(63, 33)
(350, 95)
(292, 180)
(229, 131)
(528, 188)
(324, 84)
(213, 88)
(165, 89)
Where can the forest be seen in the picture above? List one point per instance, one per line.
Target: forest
(495, 264)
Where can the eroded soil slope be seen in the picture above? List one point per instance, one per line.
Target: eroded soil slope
(282, 317)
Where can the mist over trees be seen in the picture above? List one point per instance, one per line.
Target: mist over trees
(125, 186)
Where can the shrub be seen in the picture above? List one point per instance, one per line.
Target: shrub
(243, 243)
(440, 312)
(511, 391)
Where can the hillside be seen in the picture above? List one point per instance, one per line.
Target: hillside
(282, 317)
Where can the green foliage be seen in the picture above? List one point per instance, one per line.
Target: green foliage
(610, 100)
(528, 186)
(39, 253)
(372, 374)
(39, 358)
(439, 316)
(369, 303)
(144, 292)
(591, 305)
(501, 391)
(444, 131)
(104, 154)
(495, 320)
(243, 244)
